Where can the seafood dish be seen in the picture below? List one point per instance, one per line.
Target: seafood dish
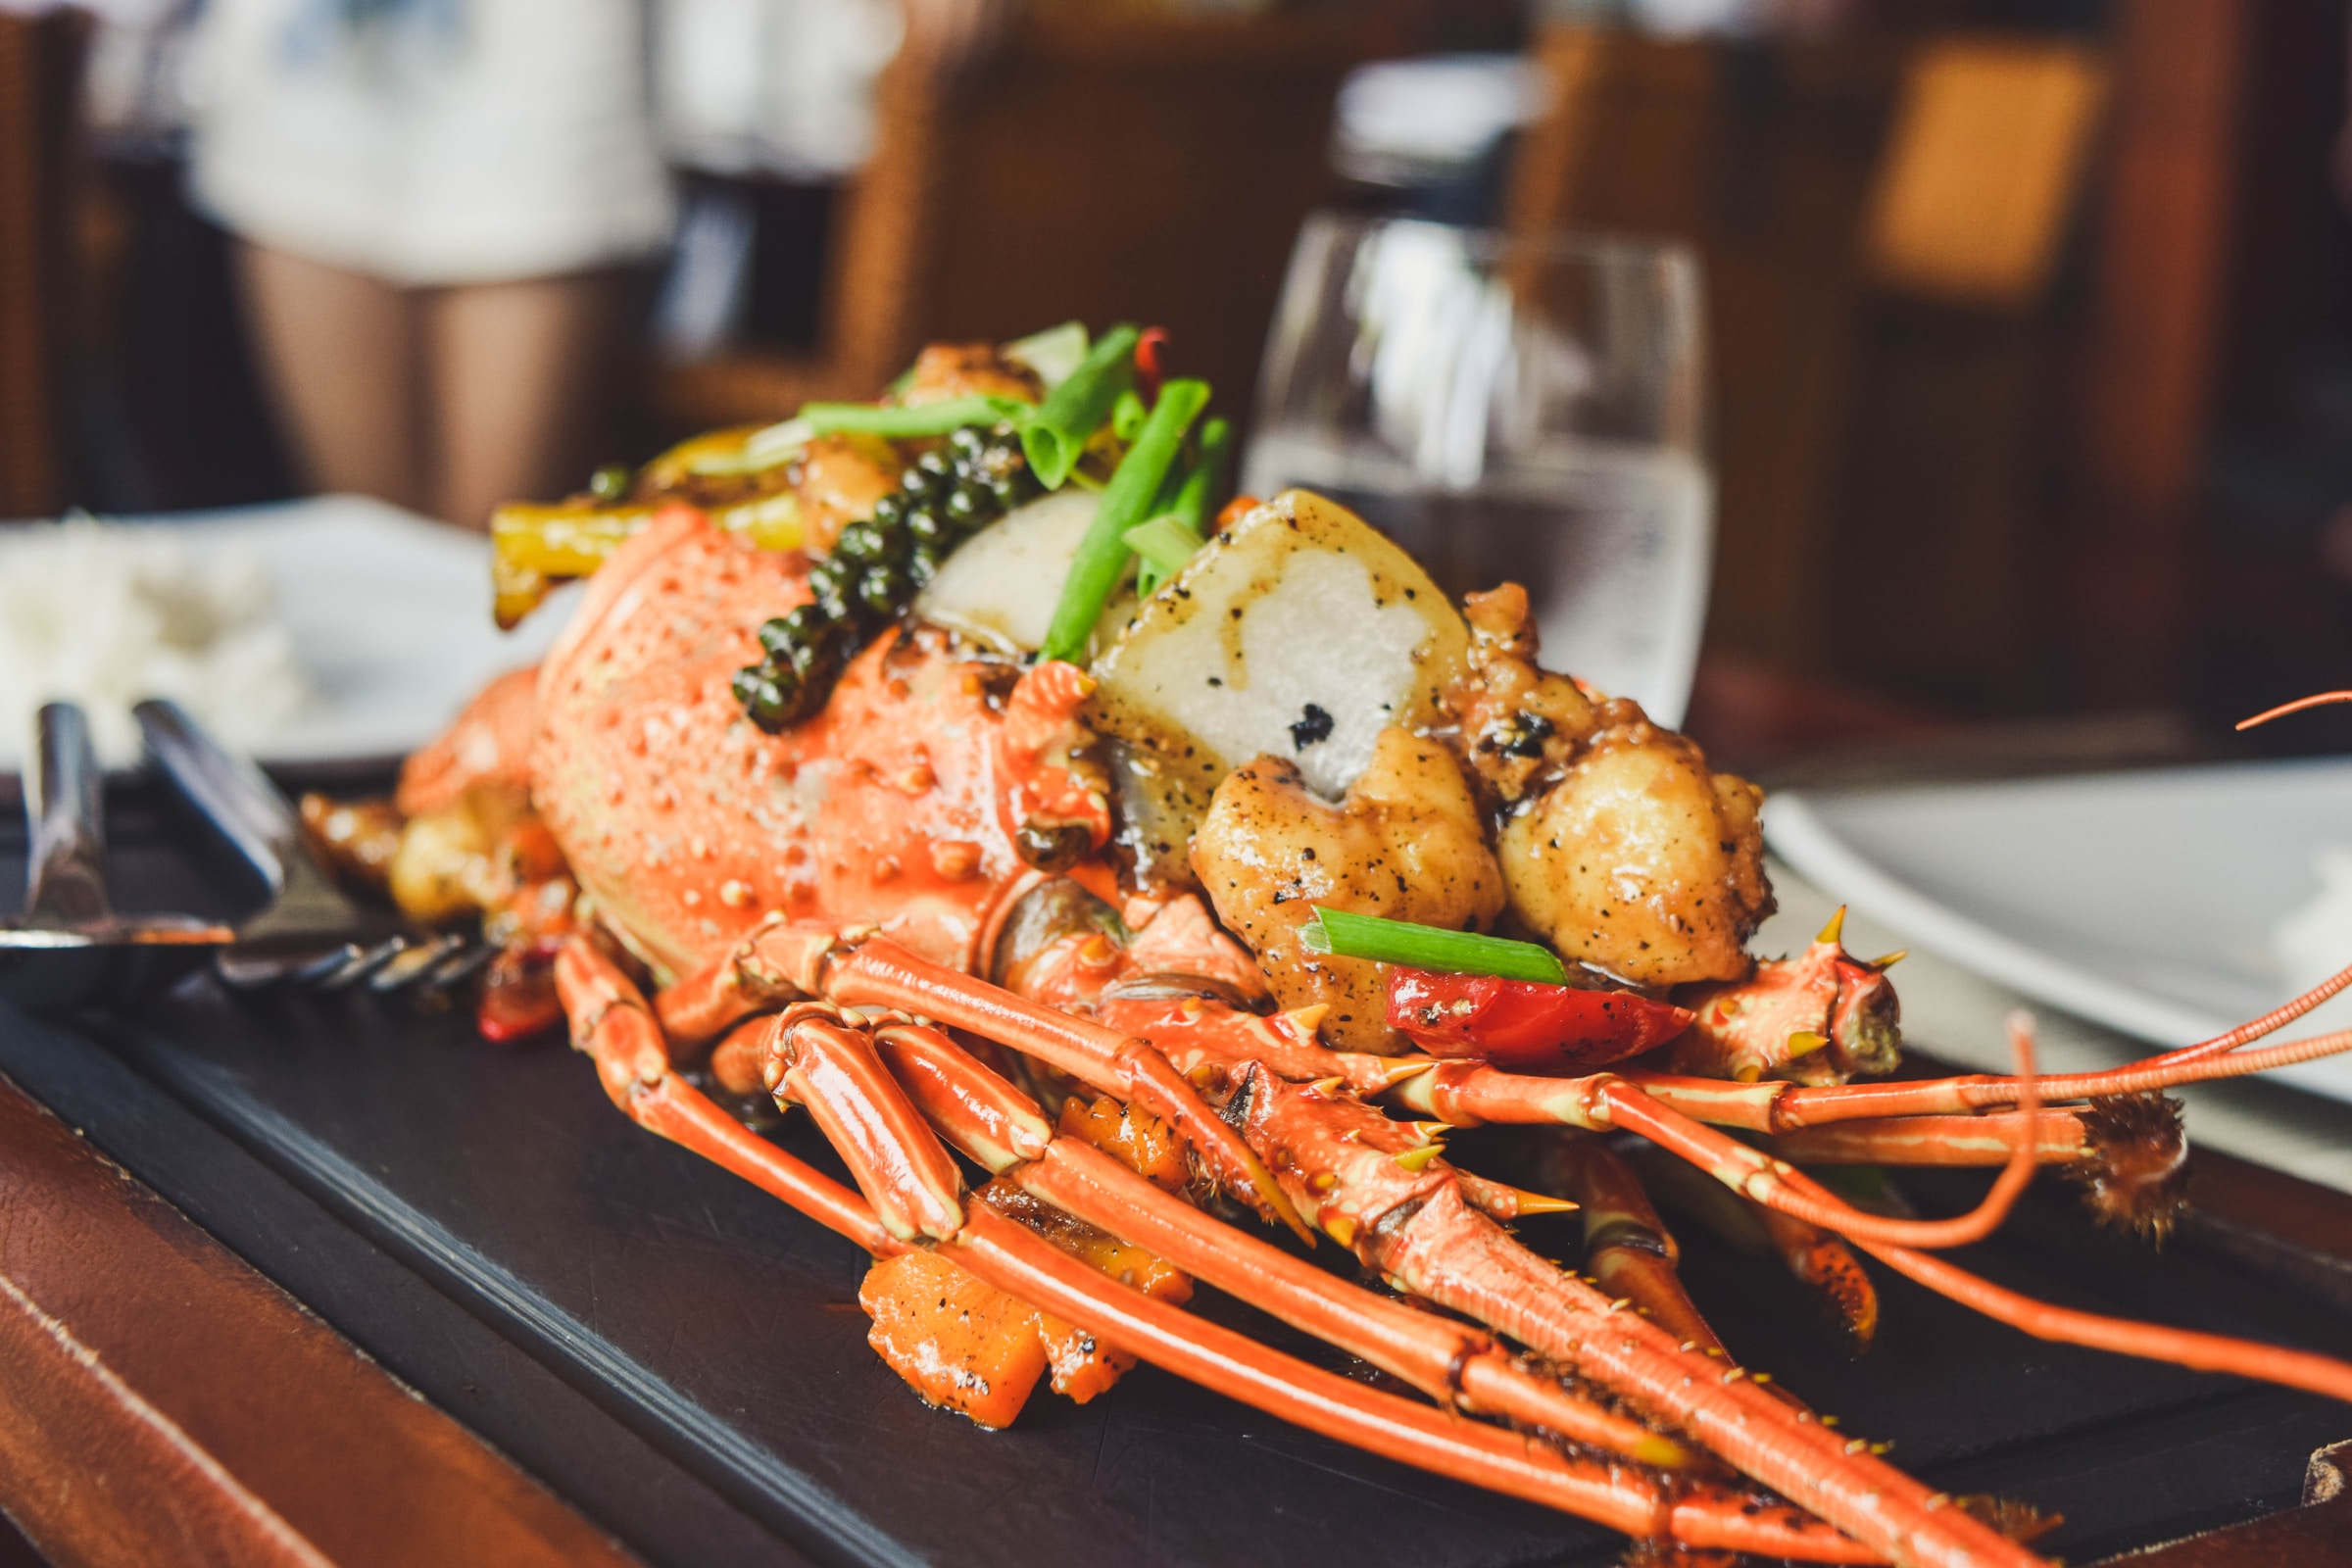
(1135, 887)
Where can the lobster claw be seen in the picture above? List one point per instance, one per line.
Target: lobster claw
(1821, 1017)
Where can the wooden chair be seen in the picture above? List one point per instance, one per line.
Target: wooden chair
(1934, 567)
(40, 72)
(1763, 162)
(1104, 165)
(1881, 222)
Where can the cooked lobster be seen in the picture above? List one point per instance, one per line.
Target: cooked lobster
(931, 910)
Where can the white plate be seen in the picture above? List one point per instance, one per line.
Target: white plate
(389, 615)
(2145, 902)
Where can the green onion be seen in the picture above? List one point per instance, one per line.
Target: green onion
(1209, 468)
(1163, 544)
(1127, 416)
(1177, 533)
(1052, 354)
(1057, 430)
(1102, 553)
(1429, 946)
(907, 424)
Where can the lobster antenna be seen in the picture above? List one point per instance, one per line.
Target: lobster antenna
(2317, 700)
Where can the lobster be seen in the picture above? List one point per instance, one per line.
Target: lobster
(904, 915)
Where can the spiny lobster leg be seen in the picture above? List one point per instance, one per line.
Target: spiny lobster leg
(1824, 1262)
(1025, 1266)
(2206, 1353)
(1628, 1250)
(878, 972)
(1001, 1128)
(613, 1024)
(1781, 1108)
(1466, 1095)
(783, 960)
(1884, 1509)
(1414, 1227)
(2059, 1139)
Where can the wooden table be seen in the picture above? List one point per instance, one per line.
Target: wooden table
(160, 1401)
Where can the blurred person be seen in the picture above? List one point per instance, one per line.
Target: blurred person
(438, 204)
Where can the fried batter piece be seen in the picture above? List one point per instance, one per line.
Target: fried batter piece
(838, 478)
(1641, 861)
(1520, 725)
(1407, 843)
(944, 371)
(1619, 845)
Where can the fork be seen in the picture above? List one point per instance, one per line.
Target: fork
(66, 904)
(69, 945)
(311, 934)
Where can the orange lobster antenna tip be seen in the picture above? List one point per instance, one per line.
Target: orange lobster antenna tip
(1835, 931)
(1305, 1022)
(1891, 959)
(1544, 1203)
(2317, 700)
(1414, 1159)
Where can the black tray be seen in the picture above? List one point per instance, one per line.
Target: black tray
(684, 1359)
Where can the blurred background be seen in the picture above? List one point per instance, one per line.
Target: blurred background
(2029, 322)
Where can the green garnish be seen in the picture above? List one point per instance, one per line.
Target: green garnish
(1052, 354)
(1127, 414)
(1428, 946)
(1057, 430)
(1103, 555)
(1163, 546)
(1173, 537)
(1208, 468)
(907, 424)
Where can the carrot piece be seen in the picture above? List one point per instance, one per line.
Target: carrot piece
(960, 1343)
(1136, 1139)
(1082, 1367)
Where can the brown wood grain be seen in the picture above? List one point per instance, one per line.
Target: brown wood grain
(1107, 167)
(2317, 1535)
(1763, 160)
(159, 1401)
(40, 61)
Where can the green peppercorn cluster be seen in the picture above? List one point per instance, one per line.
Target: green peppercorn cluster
(878, 564)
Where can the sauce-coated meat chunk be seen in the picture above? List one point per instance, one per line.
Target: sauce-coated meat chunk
(1642, 862)
(1406, 844)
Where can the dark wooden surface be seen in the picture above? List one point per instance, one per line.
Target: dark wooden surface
(682, 1359)
(164, 1403)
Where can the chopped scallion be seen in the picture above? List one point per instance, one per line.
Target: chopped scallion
(1208, 469)
(1052, 354)
(1127, 416)
(907, 424)
(1427, 947)
(1184, 512)
(1103, 555)
(1163, 546)
(1057, 430)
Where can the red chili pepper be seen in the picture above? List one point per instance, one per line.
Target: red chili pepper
(519, 999)
(1147, 369)
(1523, 1026)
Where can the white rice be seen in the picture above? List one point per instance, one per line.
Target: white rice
(107, 615)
